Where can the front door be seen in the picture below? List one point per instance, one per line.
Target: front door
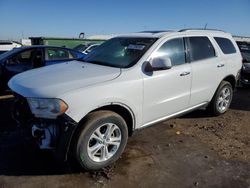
(167, 92)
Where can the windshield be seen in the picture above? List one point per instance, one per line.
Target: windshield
(120, 52)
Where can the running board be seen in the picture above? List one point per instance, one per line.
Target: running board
(175, 115)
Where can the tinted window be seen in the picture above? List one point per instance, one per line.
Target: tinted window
(57, 54)
(226, 45)
(200, 48)
(173, 49)
(23, 58)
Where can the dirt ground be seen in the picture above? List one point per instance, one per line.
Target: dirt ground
(192, 151)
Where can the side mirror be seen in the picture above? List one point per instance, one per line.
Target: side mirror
(161, 63)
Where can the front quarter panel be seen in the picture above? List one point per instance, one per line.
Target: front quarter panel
(125, 90)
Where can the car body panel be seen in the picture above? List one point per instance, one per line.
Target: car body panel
(148, 96)
(59, 78)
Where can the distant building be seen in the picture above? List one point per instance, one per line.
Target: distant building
(63, 42)
(26, 42)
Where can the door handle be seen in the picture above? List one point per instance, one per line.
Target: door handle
(220, 65)
(184, 73)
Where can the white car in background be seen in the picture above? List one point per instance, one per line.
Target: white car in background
(87, 109)
(86, 48)
(8, 45)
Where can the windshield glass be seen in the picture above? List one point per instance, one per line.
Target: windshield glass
(120, 52)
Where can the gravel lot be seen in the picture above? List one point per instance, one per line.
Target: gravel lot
(192, 151)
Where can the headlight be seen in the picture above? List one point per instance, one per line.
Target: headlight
(47, 108)
(243, 67)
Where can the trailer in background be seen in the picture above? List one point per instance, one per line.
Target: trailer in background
(63, 42)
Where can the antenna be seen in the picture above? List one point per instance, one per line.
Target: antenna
(205, 26)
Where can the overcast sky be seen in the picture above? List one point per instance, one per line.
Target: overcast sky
(67, 18)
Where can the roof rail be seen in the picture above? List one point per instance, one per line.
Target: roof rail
(199, 29)
(156, 31)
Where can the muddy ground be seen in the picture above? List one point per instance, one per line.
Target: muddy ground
(192, 151)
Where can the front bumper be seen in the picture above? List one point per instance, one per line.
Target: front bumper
(49, 134)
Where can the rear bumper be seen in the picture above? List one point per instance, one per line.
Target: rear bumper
(54, 135)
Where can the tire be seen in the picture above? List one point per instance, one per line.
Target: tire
(222, 99)
(93, 140)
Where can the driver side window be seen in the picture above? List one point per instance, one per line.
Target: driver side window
(173, 49)
(23, 58)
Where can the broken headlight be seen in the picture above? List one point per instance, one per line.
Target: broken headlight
(47, 108)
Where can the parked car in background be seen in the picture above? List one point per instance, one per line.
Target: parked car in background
(25, 58)
(86, 48)
(245, 72)
(8, 45)
(87, 109)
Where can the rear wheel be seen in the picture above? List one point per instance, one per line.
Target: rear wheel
(222, 99)
(101, 140)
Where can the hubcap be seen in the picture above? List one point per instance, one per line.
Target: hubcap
(104, 142)
(224, 99)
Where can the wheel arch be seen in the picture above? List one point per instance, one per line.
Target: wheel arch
(123, 110)
(231, 79)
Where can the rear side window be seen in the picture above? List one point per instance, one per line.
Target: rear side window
(57, 54)
(200, 48)
(226, 45)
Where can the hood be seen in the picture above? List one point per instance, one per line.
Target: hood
(54, 80)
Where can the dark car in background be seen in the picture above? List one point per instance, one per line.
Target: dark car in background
(25, 58)
(245, 72)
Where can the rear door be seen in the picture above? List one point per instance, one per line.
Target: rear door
(207, 68)
(20, 62)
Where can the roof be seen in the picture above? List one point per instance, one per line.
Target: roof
(159, 34)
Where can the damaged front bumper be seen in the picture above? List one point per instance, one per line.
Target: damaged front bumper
(49, 134)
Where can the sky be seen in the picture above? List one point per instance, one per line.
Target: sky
(67, 18)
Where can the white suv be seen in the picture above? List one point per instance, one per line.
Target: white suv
(87, 108)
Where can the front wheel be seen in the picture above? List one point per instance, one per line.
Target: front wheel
(101, 140)
(222, 99)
